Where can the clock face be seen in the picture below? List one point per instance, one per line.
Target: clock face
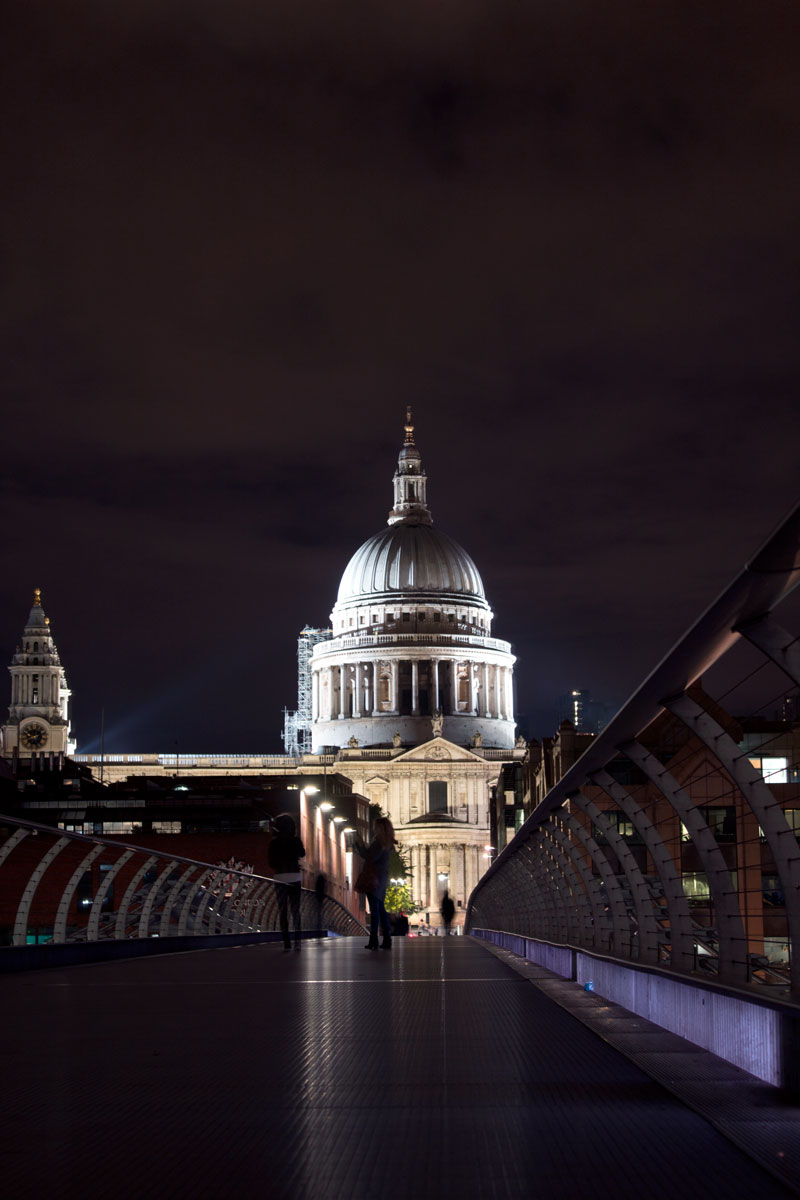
(34, 736)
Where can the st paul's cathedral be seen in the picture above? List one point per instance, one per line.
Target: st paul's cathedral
(410, 697)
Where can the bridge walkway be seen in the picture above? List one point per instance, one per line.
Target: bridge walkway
(431, 1071)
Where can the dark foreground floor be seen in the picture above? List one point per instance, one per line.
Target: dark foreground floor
(433, 1070)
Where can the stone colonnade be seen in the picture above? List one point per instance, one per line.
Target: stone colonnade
(371, 688)
(463, 868)
(47, 687)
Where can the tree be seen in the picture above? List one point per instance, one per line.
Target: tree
(398, 893)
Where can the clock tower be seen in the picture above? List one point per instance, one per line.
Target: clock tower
(38, 716)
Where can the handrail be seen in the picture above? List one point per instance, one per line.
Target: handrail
(54, 880)
(568, 874)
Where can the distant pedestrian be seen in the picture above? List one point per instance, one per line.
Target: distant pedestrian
(374, 880)
(320, 887)
(400, 925)
(284, 854)
(448, 911)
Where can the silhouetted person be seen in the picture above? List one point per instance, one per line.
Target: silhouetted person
(400, 925)
(284, 854)
(376, 856)
(448, 911)
(320, 884)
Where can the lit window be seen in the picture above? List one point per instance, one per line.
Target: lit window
(695, 886)
(121, 827)
(793, 820)
(773, 770)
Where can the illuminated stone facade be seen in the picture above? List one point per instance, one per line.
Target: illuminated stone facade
(414, 696)
(411, 638)
(38, 715)
(412, 699)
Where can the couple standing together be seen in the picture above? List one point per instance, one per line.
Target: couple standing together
(374, 880)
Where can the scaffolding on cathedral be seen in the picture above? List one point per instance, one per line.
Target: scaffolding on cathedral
(297, 725)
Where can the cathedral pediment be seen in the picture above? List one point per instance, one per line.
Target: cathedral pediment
(438, 749)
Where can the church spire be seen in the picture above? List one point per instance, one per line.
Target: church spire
(38, 715)
(410, 483)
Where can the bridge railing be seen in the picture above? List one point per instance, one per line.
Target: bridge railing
(59, 887)
(671, 844)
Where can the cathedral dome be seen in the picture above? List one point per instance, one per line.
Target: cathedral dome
(408, 558)
(410, 654)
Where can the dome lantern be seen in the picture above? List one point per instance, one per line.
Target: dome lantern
(410, 483)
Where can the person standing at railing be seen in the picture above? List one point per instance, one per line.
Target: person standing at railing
(284, 854)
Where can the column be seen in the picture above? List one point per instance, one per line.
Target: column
(473, 708)
(342, 684)
(499, 690)
(368, 707)
(486, 706)
(435, 669)
(416, 875)
(414, 688)
(314, 695)
(357, 692)
(509, 694)
(433, 882)
(375, 709)
(453, 686)
(424, 877)
(459, 889)
(395, 687)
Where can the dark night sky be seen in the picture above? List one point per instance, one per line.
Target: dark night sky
(240, 237)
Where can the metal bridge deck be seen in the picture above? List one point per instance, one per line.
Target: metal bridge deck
(433, 1070)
